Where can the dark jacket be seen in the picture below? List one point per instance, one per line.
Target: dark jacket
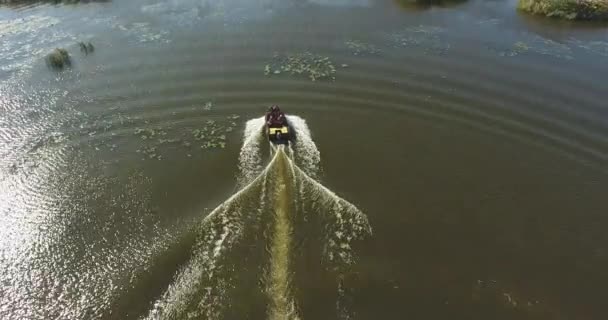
(275, 118)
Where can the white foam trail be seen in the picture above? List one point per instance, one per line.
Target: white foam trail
(306, 154)
(282, 306)
(343, 224)
(303, 149)
(220, 231)
(200, 271)
(347, 221)
(261, 213)
(250, 158)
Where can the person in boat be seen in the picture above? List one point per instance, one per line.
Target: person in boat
(275, 117)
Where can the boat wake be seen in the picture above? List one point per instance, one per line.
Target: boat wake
(255, 252)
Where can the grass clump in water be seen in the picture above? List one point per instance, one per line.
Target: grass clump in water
(306, 63)
(86, 48)
(361, 48)
(59, 59)
(567, 9)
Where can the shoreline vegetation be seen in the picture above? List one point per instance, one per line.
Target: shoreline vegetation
(596, 10)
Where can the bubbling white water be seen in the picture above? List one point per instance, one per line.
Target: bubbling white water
(258, 223)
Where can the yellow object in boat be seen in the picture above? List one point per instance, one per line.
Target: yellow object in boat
(281, 130)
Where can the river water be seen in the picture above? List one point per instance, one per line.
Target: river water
(453, 163)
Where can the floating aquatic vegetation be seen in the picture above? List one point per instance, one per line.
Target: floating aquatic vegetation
(518, 48)
(361, 48)
(59, 59)
(537, 45)
(149, 133)
(306, 63)
(163, 141)
(428, 38)
(86, 48)
(208, 106)
(211, 135)
(143, 32)
(232, 124)
(86, 125)
(150, 152)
